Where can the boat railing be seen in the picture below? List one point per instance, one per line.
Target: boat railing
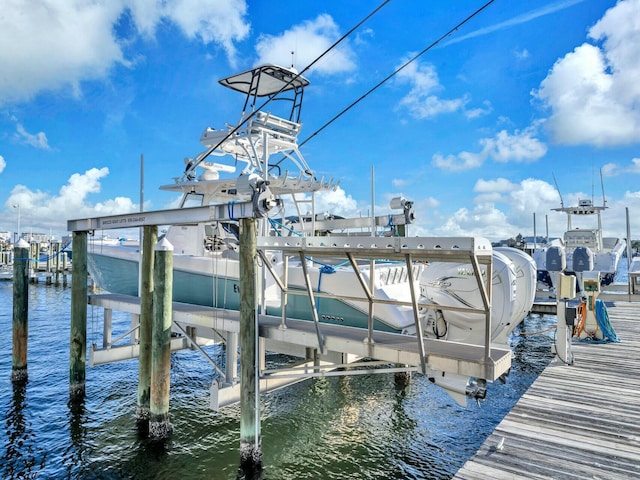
(582, 238)
(277, 127)
(476, 251)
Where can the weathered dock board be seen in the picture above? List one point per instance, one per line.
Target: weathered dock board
(575, 421)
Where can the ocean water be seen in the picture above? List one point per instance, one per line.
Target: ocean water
(358, 427)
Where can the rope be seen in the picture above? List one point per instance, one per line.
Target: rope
(581, 317)
(602, 316)
(276, 224)
(391, 226)
(603, 324)
(230, 212)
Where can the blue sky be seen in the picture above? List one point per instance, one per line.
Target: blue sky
(473, 131)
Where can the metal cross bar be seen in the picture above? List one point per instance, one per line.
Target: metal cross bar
(312, 299)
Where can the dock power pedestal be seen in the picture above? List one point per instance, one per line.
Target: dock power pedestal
(566, 318)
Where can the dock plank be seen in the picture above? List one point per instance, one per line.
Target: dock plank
(575, 421)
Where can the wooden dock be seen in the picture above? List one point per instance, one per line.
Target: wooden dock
(575, 421)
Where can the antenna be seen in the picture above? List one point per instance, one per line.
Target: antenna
(292, 58)
(558, 188)
(604, 200)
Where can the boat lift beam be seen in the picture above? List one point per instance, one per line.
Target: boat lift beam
(446, 356)
(182, 216)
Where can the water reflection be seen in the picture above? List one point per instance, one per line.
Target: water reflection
(19, 459)
(74, 453)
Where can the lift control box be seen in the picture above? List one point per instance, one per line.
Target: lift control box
(591, 282)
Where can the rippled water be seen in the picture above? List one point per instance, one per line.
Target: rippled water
(329, 428)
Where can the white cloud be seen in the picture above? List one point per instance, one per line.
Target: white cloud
(421, 101)
(472, 113)
(336, 202)
(501, 210)
(37, 140)
(593, 92)
(613, 169)
(609, 170)
(515, 21)
(401, 182)
(485, 220)
(43, 211)
(634, 168)
(497, 185)
(521, 146)
(68, 42)
(308, 41)
(3, 163)
(458, 163)
(533, 195)
(217, 21)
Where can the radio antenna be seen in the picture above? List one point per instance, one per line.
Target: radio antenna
(604, 199)
(558, 188)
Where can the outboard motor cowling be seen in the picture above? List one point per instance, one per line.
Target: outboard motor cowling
(583, 259)
(556, 259)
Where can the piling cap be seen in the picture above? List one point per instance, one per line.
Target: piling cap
(22, 243)
(164, 245)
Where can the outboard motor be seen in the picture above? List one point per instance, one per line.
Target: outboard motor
(556, 259)
(582, 259)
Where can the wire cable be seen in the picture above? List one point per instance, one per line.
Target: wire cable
(293, 78)
(399, 69)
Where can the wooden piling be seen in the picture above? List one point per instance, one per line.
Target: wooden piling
(58, 253)
(79, 291)
(250, 443)
(159, 426)
(402, 380)
(150, 238)
(20, 311)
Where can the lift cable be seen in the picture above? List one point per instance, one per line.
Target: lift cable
(399, 69)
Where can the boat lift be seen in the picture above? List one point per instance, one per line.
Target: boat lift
(198, 325)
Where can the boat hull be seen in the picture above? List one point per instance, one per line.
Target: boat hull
(215, 282)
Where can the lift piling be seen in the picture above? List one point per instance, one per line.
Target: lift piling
(150, 238)
(159, 425)
(250, 444)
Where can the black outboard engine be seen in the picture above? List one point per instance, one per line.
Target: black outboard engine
(582, 259)
(556, 260)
